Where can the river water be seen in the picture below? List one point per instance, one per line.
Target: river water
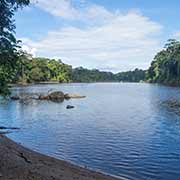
(124, 129)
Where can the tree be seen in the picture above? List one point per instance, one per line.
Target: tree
(39, 70)
(34, 70)
(165, 67)
(8, 42)
(59, 71)
(85, 75)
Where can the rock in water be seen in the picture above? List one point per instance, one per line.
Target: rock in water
(41, 97)
(12, 128)
(75, 96)
(15, 98)
(56, 96)
(69, 107)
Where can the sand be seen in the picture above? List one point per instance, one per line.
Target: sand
(20, 163)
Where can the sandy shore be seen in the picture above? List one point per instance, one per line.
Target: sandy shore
(20, 163)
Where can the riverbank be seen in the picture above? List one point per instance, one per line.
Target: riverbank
(20, 163)
(21, 84)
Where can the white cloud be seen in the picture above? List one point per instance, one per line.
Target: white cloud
(176, 35)
(30, 50)
(61, 8)
(74, 10)
(120, 42)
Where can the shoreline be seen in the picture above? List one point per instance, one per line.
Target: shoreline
(55, 82)
(20, 163)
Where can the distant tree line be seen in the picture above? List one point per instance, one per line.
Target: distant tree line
(137, 75)
(84, 75)
(165, 68)
(35, 70)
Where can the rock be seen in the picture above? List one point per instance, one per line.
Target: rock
(15, 98)
(12, 128)
(69, 107)
(173, 104)
(69, 96)
(56, 96)
(5, 132)
(66, 96)
(41, 97)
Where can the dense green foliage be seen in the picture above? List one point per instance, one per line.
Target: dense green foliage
(166, 65)
(34, 70)
(8, 42)
(131, 76)
(84, 75)
(164, 69)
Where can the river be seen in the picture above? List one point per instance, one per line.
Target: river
(125, 129)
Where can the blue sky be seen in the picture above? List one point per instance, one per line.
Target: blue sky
(111, 35)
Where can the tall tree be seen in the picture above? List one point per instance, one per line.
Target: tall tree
(8, 42)
(166, 65)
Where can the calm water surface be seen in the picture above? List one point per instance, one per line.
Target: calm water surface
(128, 130)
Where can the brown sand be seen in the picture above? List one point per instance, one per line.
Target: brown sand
(20, 163)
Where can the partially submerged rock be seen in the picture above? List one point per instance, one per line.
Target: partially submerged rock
(56, 96)
(69, 107)
(42, 97)
(59, 96)
(4, 133)
(75, 96)
(173, 104)
(12, 128)
(25, 96)
(15, 98)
